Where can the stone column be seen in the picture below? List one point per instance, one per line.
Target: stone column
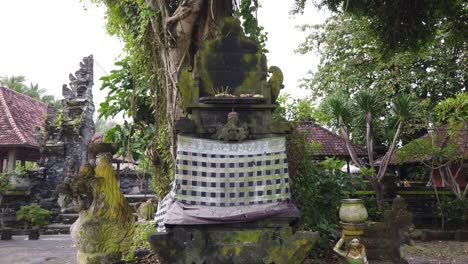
(11, 159)
(1, 163)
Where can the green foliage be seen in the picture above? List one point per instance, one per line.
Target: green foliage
(33, 215)
(80, 187)
(17, 83)
(317, 189)
(140, 239)
(248, 12)
(403, 25)
(5, 184)
(418, 173)
(372, 208)
(298, 110)
(453, 210)
(351, 61)
(102, 125)
(443, 147)
(454, 112)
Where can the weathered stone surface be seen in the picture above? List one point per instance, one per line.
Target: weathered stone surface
(265, 241)
(105, 229)
(146, 210)
(384, 239)
(67, 133)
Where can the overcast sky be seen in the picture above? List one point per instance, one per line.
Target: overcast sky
(45, 41)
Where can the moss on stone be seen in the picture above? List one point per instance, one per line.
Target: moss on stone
(186, 84)
(242, 236)
(231, 61)
(106, 228)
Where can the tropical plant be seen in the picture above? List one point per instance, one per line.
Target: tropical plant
(4, 186)
(366, 106)
(445, 147)
(16, 83)
(35, 92)
(452, 210)
(350, 61)
(140, 239)
(33, 215)
(317, 188)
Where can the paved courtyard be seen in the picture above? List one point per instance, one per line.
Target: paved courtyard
(53, 249)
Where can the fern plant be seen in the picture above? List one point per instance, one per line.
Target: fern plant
(33, 215)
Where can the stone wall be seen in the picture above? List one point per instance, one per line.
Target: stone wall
(67, 133)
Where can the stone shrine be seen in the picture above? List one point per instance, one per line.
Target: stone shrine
(230, 199)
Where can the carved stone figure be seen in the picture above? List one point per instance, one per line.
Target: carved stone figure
(233, 130)
(355, 252)
(399, 222)
(105, 229)
(146, 210)
(275, 82)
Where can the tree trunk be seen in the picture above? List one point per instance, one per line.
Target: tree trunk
(181, 33)
(379, 195)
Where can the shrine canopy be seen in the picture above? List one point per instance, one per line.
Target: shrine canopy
(21, 117)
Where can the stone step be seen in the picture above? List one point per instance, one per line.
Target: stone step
(54, 229)
(138, 198)
(67, 218)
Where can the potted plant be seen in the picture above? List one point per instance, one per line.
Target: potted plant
(35, 218)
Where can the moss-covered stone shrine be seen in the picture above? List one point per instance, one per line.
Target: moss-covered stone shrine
(230, 199)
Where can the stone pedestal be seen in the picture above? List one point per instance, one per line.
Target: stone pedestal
(268, 240)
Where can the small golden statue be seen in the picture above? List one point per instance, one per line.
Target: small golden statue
(355, 252)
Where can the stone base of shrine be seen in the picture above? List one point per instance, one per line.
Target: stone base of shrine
(269, 240)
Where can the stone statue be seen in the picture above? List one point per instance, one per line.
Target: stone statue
(146, 210)
(399, 222)
(233, 130)
(275, 82)
(355, 252)
(105, 229)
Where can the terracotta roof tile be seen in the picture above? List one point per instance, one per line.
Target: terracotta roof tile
(331, 144)
(20, 115)
(441, 137)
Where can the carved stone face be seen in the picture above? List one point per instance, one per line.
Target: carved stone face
(354, 243)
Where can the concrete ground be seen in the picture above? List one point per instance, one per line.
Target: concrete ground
(49, 249)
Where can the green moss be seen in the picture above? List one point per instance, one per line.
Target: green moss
(242, 236)
(186, 84)
(72, 103)
(231, 60)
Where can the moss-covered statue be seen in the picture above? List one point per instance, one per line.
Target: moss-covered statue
(105, 229)
(146, 210)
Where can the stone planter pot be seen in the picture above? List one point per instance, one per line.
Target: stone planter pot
(34, 234)
(353, 211)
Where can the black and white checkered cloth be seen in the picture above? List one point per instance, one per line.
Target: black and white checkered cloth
(219, 174)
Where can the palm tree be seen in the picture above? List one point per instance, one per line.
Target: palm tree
(369, 106)
(15, 83)
(38, 93)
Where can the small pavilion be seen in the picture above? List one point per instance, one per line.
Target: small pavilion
(21, 117)
(331, 145)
